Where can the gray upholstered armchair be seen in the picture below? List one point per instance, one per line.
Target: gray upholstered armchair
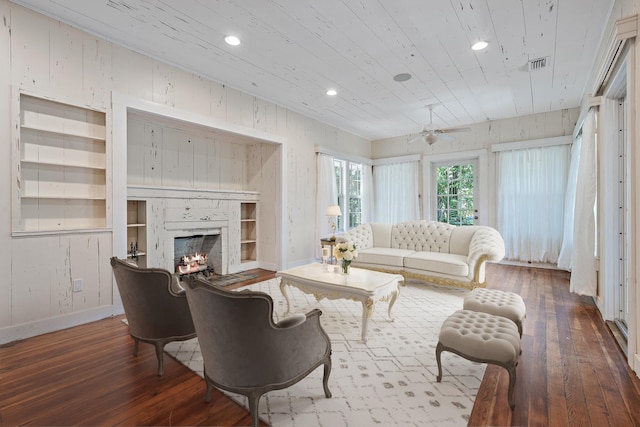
(245, 351)
(156, 313)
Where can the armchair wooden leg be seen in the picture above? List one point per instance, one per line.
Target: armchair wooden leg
(325, 378)
(438, 352)
(135, 347)
(254, 400)
(160, 357)
(207, 394)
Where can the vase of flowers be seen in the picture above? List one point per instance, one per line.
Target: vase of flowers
(345, 252)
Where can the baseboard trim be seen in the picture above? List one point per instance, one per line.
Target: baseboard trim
(531, 264)
(26, 330)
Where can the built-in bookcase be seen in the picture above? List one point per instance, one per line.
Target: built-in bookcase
(137, 232)
(248, 231)
(60, 166)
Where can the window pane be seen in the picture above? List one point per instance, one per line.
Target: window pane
(349, 184)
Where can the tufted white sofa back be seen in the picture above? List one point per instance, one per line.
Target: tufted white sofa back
(421, 235)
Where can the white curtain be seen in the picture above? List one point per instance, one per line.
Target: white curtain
(326, 195)
(531, 189)
(367, 193)
(583, 260)
(564, 259)
(398, 185)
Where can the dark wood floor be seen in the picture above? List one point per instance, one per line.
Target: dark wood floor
(571, 372)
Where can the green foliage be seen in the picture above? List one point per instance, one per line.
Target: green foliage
(455, 194)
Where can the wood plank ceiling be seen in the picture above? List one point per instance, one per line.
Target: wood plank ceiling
(292, 51)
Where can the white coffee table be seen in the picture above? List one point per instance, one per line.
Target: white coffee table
(362, 285)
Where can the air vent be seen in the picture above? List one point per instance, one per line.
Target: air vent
(538, 63)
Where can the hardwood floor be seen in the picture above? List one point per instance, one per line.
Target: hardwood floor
(87, 375)
(571, 372)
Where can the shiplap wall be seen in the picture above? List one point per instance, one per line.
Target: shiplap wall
(162, 156)
(481, 137)
(44, 56)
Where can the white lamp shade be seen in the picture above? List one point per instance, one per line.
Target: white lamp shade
(334, 211)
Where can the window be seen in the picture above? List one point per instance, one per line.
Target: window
(349, 186)
(455, 185)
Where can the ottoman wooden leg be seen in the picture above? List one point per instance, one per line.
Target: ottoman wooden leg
(512, 382)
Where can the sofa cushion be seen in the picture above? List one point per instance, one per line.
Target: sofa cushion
(437, 262)
(461, 239)
(385, 256)
(361, 236)
(381, 235)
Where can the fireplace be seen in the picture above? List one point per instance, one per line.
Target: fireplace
(198, 254)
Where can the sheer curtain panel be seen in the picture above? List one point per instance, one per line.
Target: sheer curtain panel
(531, 189)
(326, 195)
(367, 193)
(564, 259)
(583, 260)
(396, 192)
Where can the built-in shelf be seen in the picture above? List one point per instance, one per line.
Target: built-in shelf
(61, 166)
(248, 231)
(137, 231)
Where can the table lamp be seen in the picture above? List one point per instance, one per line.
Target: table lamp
(333, 211)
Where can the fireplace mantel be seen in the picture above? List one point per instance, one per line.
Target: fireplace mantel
(144, 191)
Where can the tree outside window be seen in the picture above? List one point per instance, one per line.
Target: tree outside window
(455, 194)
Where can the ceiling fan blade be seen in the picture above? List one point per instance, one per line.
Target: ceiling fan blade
(453, 130)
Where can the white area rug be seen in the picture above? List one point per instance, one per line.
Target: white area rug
(390, 380)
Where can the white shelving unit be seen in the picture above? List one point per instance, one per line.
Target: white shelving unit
(61, 167)
(248, 232)
(137, 232)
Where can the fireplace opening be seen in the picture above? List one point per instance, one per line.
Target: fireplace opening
(198, 254)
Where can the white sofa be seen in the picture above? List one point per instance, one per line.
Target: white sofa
(433, 251)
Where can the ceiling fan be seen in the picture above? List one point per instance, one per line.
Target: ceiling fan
(430, 135)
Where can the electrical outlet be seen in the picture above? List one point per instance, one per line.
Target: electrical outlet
(77, 285)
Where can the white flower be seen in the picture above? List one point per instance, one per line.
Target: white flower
(345, 250)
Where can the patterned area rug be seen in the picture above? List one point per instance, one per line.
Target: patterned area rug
(390, 380)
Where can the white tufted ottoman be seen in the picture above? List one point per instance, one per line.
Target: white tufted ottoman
(482, 338)
(500, 303)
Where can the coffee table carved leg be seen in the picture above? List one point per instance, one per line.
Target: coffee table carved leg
(283, 287)
(394, 297)
(367, 311)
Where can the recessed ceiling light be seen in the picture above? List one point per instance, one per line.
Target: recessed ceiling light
(479, 45)
(232, 40)
(332, 92)
(402, 77)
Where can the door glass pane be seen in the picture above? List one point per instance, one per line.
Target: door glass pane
(455, 204)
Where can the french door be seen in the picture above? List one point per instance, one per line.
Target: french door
(455, 184)
(622, 293)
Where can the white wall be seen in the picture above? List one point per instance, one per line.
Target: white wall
(481, 137)
(44, 56)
